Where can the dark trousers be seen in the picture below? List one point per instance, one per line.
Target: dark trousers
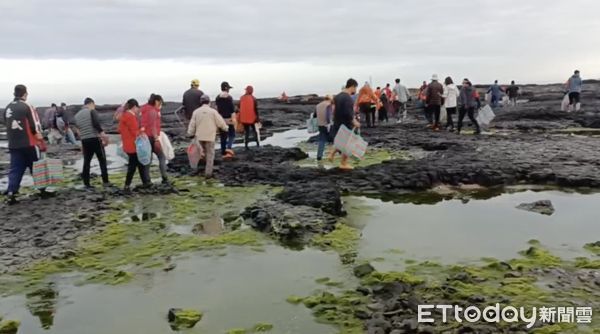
(162, 160)
(495, 100)
(369, 111)
(134, 164)
(434, 115)
(471, 113)
(383, 114)
(323, 139)
(20, 160)
(247, 129)
(574, 98)
(227, 139)
(450, 114)
(91, 147)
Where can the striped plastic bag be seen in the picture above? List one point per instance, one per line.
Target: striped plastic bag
(47, 172)
(350, 143)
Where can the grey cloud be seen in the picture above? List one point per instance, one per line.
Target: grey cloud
(351, 31)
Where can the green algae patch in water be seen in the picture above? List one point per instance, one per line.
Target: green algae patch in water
(262, 327)
(378, 278)
(179, 318)
(373, 156)
(9, 326)
(339, 310)
(593, 247)
(344, 240)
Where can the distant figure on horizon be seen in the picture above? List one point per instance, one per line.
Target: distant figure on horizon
(283, 98)
(249, 116)
(513, 93)
(401, 97)
(496, 91)
(574, 87)
(433, 99)
(191, 99)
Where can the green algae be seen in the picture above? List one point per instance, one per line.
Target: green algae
(9, 326)
(373, 156)
(295, 300)
(593, 247)
(388, 277)
(179, 319)
(237, 331)
(344, 240)
(338, 310)
(262, 327)
(585, 263)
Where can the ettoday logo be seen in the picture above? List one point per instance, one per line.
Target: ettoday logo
(508, 314)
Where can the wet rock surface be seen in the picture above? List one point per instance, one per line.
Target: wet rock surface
(542, 207)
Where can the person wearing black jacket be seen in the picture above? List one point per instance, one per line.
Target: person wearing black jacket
(23, 135)
(226, 109)
(191, 99)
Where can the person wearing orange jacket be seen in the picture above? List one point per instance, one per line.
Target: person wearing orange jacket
(129, 129)
(367, 102)
(249, 115)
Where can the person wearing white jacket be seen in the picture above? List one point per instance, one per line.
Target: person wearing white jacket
(203, 126)
(450, 96)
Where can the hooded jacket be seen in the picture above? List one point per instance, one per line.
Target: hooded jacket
(451, 94)
(575, 84)
(21, 125)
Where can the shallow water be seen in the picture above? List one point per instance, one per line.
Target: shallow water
(234, 291)
(452, 231)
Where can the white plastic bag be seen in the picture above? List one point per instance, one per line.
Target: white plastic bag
(443, 115)
(485, 116)
(565, 103)
(166, 146)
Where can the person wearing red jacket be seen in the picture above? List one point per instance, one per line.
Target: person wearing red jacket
(151, 122)
(249, 115)
(129, 129)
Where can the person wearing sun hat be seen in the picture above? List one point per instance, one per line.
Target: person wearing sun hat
(191, 99)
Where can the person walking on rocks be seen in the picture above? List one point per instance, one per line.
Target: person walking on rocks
(191, 99)
(344, 115)
(367, 102)
(401, 96)
(513, 93)
(496, 91)
(450, 95)
(249, 116)
(151, 122)
(433, 99)
(574, 87)
(23, 135)
(204, 125)
(226, 109)
(129, 129)
(469, 100)
(324, 116)
(93, 139)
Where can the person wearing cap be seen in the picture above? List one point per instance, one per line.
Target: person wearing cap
(92, 138)
(203, 127)
(226, 109)
(433, 99)
(191, 99)
(150, 121)
(249, 115)
(129, 129)
(23, 135)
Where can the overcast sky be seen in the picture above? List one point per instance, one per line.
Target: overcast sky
(65, 50)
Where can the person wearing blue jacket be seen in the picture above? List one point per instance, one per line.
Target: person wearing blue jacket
(496, 92)
(574, 87)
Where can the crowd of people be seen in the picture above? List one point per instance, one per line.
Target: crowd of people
(26, 132)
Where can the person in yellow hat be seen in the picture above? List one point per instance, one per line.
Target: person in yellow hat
(191, 99)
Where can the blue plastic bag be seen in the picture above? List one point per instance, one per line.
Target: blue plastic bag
(143, 149)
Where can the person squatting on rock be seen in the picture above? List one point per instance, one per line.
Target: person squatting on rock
(226, 109)
(574, 87)
(450, 95)
(469, 100)
(249, 116)
(513, 93)
(23, 134)
(367, 102)
(401, 97)
(496, 93)
(433, 100)
(151, 122)
(129, 129)
(324, 111)
(92, 139)
(344, 115)
(191, 99)
(203, 127)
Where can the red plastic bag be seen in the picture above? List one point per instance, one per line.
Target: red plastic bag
(195, 154)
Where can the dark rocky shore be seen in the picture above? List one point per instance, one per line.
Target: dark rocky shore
(532, 144)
